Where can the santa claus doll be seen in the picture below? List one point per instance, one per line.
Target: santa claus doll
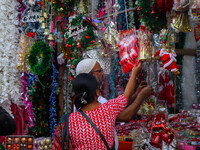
(168, 60)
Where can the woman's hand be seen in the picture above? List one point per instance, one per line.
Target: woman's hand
(142, 85)
(145, 92)
(137, 68)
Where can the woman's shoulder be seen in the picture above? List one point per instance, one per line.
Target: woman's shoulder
(120, 97)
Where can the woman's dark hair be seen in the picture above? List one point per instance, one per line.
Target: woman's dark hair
(84, 87)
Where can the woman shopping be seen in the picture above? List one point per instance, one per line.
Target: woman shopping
(92, 126)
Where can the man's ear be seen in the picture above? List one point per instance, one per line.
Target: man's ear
(98, 92)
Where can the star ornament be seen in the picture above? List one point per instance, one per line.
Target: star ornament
(100, 13)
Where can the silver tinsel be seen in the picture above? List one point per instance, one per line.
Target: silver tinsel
(67, 92)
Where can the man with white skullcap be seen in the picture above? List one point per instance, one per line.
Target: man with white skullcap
(90, 66)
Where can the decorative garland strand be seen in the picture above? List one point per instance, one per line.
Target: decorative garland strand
(39, 96)
(52, 100)
(112, 79)
(131, 18)
(10, 87)
(67, 91)
(26, 100)
(121, 18)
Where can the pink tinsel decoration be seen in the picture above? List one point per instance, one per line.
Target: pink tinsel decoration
(26, 100)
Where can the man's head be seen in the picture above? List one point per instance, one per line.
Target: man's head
(90, 66)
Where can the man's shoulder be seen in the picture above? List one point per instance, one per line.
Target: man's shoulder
(102, 99)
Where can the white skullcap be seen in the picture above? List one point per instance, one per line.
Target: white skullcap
(85, 66)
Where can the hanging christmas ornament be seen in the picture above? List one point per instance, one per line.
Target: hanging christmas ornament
(111, 36)
(66, 52)
(195, 10)
(116, 6)
(43, 25)
(144, 49)
(128, 52)
(168, 60)
(31, 20)
(181, 19)
(41, 18)
(51, 36)
(83, 6)
(46, 31)
(197, 32)
(61, 9)
(45, 15)
(25, 45)
(54, 2)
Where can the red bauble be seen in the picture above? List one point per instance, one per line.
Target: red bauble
(87, 37)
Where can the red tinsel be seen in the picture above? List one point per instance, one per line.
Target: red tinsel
(165, 5)
(166, 91)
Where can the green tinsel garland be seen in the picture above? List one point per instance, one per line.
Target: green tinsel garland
(63, 8)
(43, 48)
(87, 36)
(39, 96)
(151, 16)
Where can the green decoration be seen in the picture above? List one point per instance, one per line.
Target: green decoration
(39, 96)
(45, 50)
(78, 36)
(2, 146)
(151, 16)
(100, 4)
(64, 7)
(87, 35)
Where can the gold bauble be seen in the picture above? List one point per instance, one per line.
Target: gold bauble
(61, 9)
(53, 2)
(48, 141)
(46, 147)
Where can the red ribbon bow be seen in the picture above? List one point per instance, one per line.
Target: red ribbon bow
(40, 3)
(160, 132)
(30, 34)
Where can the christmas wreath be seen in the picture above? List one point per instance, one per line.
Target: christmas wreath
(63, 7)
(30, 21)
(79, 33)
(150, 14)
(45, 50)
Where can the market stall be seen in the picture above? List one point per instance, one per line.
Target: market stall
(42, 41)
